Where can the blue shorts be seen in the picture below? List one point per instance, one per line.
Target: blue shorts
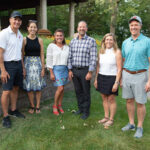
(14, 69)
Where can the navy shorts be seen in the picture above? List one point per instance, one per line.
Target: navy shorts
(14, 69)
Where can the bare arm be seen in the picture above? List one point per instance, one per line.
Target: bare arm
(4, 73)
(97, 71)
(119, 70)
(147, 86)
(42, 57)
(52, 76)
(22, 60)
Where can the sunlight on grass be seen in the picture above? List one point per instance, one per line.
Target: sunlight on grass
(44, 131)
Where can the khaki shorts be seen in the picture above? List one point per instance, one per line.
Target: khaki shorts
(134, 86)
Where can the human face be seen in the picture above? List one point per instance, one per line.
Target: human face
(135, 28)
(15, 23)
(32, 29)
(59, 37)
(109, 42)
(82, 28)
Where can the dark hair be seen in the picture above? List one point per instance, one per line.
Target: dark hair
(32, 21)
(59, 30)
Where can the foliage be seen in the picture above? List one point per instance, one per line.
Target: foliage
(97, 14)
(128, 8)
(58, 17)
(68, 132)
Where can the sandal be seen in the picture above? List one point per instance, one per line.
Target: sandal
(109, 123)
(103, 120)
(60, 109)
(38, 110)
(31, 110)
(55, 110)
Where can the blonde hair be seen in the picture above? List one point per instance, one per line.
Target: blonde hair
(103, 46)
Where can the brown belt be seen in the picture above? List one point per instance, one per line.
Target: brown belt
(135, 72)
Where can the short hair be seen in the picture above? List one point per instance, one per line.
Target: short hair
(83, 22)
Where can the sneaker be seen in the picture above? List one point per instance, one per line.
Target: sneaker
(138, 133)
(78, 112)
(16, 113)
(128, 127)
(84, 116)
(6, 122)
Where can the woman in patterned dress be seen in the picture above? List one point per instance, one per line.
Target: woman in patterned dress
(57, 56)
(33, 66)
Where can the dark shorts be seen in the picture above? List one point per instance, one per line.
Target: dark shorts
(105, 84)
(15, 72)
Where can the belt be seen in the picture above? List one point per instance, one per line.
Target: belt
(134, 72)
(81, 68)
(12, 61)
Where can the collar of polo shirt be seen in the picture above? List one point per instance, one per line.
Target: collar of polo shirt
(10, 30)
(139, 37)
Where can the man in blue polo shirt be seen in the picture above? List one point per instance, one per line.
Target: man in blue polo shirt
(135, 78)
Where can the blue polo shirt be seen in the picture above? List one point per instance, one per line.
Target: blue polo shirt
(136, 53)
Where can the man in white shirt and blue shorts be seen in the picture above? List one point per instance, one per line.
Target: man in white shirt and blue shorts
(11, 67)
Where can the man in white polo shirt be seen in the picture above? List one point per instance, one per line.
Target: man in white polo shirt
(11, 67)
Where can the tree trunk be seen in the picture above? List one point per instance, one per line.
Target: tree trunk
(113, 12)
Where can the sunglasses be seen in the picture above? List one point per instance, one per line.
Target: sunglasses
(34, 21)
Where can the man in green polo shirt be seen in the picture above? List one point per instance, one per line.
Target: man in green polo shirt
(135, 78)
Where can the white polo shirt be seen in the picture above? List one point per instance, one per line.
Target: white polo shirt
(11, 43)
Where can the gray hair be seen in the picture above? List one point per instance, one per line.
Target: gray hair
(83, 22)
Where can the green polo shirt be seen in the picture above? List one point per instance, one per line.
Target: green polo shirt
(136, 53)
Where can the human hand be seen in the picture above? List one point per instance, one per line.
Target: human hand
(4, 76)
(88, 76)
(95, 84)
(70, 75)
(115, 87)
(42, 73)
(147, 87)
(52, 77)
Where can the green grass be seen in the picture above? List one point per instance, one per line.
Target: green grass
(43, 131)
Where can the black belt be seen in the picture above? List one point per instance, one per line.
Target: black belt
(12, 61)
(80, 68)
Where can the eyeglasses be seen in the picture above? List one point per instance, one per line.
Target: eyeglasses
(34, 21)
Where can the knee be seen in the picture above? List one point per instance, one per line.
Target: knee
(60, 89)
(6, 93)
(130, 101)
(140, 105)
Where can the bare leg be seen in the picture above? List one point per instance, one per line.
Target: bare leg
(112, 106)
(131, 110)
(5, 102)
(31, 100)
(38, 98)
(141, 111)
(58, 95)
(105, 105)
(60, 101)
(14, 97)
(61, 97)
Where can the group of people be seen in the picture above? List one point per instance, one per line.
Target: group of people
(22, 65)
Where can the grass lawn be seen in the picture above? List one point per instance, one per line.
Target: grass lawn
(68, 132)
